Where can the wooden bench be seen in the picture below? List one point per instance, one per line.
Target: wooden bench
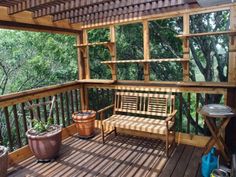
(146, 112)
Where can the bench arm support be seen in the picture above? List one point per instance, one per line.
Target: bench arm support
(101, 111)
(171, 116)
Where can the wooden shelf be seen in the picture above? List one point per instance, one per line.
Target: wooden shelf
(231, 33)
(170, 84)
(95, 81)
(94, 44)
(147, 61)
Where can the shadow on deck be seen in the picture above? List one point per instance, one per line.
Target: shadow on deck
(122, 155)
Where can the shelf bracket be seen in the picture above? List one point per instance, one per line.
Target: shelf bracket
(83, 49)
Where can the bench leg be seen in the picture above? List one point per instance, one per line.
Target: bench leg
(115, 131)
(103, 139)
(167, 143)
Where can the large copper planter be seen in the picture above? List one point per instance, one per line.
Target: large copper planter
(85, 123)
(45, 146)
(3, 162)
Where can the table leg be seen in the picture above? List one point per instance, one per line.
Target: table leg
(214, 131)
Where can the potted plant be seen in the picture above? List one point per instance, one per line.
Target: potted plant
(44, 138)
(3, 160)
(85, 123)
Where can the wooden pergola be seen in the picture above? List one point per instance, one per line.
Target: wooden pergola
(76, 17)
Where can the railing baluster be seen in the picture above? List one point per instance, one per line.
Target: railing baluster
(197, 115)
(6, 113)
(18, 139)
(38, 109)
(31, 111)
(52, 113)
(98, 100)
(57, 110)
(67, 108)
(24, 116)
(72, 101)
(45, 110)
(188, 114)
(76, 100)
(62, 110)
(180, 112)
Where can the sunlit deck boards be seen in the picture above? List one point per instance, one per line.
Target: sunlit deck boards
(120, 156)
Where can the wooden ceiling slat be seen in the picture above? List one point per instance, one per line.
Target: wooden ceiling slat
(32, 5)
(122, 9)
(72, 5)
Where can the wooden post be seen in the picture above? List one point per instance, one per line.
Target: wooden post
(84, 98)
(186, 47)
(230, 130)
(86, 54)
(113, 51)
(83, 67)
(146, 50)
(80, 57)
(232, 47)
(231, 101)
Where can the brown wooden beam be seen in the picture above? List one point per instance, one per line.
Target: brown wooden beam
(32, 27)
(26, 18)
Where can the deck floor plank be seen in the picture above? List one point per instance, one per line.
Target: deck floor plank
(183, 162)
(121, 155)
(172, 162)
(194, 163)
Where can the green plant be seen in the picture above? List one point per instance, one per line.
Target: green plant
(41, 126)
(38, 125)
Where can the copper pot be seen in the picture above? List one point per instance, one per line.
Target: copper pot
(3, 162)
(45, 146)
(85, 122)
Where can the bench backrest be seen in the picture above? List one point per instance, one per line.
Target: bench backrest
(144, 103)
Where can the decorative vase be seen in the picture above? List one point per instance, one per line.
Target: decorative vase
(85, 123)
(3, 161)
(45, 146)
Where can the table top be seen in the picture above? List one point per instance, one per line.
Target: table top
(217, 111)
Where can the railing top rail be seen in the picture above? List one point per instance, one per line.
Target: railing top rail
(19, 97)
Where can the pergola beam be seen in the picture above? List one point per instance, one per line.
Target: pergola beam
(33, 27)
(25, 18)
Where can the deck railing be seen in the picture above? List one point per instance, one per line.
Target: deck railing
(14, 116)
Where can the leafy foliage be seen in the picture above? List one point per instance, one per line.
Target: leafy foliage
(41, 126)
(29, 60)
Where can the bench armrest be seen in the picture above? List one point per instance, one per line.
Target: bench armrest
(171, 116)
(101, 111)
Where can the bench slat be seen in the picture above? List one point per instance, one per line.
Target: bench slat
(138, 123)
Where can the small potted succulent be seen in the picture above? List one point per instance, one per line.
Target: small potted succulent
(44, 138)
(3, 159)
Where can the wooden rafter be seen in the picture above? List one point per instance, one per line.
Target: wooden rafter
(90, 11)
(67, 8)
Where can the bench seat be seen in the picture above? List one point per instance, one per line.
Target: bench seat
(139, 123)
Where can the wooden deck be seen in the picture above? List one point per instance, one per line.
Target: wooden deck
(122, 155)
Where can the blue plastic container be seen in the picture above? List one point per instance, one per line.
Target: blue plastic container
(209, 163)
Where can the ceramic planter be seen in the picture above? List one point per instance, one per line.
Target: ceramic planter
(85, 123)
(3, 161)
(45, 146)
